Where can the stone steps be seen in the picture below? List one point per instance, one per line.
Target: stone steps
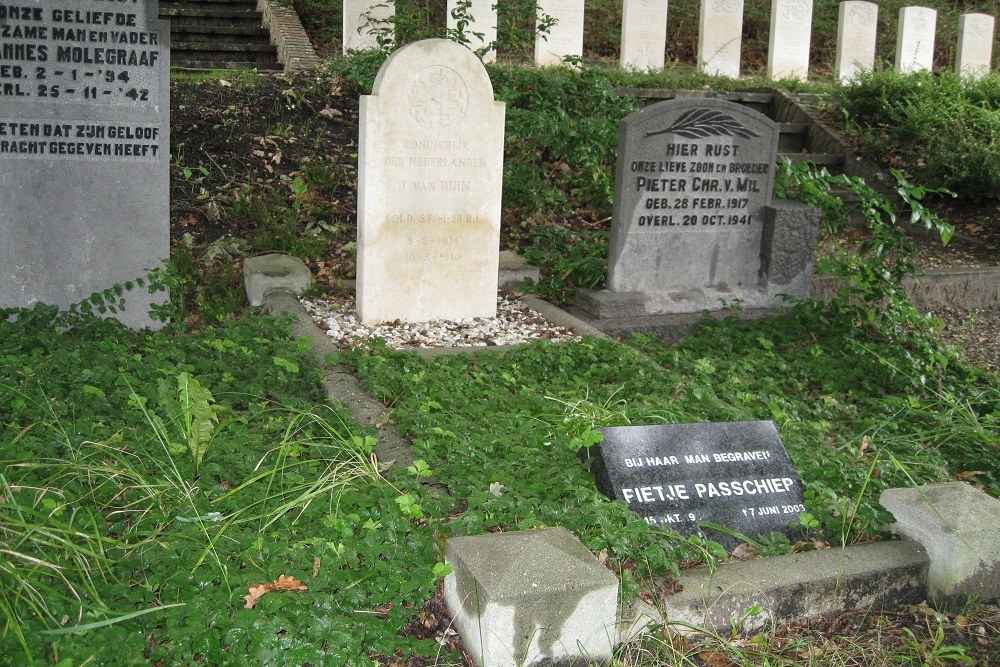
(218, 34)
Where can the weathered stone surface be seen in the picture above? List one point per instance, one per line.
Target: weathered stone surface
(694, 227)
(514, 270)
(430, 173)
(788, 41)
(644, 34)
(267, 274)
(975, 45)
(798, 587)
(720, 31)
(367, 21)
(84, 152)
(693, 179)
(525, 597)
(915, 39)
(677, 476)
(857, 26)
(956, 524)
(565, 36)
(789, 234)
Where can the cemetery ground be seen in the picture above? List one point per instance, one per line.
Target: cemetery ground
(190, 497)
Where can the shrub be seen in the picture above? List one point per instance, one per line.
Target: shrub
(945, 129)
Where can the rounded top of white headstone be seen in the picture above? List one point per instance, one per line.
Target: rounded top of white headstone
(421, 69)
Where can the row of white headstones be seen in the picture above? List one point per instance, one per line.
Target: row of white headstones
(644, 29)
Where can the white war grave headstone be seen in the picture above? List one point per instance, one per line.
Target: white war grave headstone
(694, 226)
(430, 156)
(644, 34)
(857, 27)
(84, 151)
(365, 21)
(720, 30)
(975, 45)
(481, 29)
(564, 36)
(788, 43)
(915, 39)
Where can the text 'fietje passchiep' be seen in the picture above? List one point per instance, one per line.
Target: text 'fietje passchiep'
(639, 495)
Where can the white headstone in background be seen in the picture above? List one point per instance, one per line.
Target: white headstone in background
(644, 34)
(565, 36)
(430, 170)
(364, 21)
(719, 34)
(975, 45)
(857, 27)
(915, 39)
(481, 31)
(788, 44)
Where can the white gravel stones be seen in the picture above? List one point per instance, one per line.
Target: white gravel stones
(515, 323)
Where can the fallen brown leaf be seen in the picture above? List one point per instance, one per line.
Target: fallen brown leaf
(714, 659)
(282, 583)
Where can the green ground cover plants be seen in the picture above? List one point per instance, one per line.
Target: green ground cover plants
(519, 419)
(147, 489)
(147, 480)
(151, 482)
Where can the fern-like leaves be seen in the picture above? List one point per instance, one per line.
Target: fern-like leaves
(702, 123)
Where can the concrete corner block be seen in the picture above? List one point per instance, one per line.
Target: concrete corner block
(266, 274)
(788, 242)
(530, 597)
(514, 270)
(798, 587)
(956, 524)
(636, 619)
(605, 304)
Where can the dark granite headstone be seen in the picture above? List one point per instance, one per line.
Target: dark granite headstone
(84, 150)
(676, 476)
(694, 227)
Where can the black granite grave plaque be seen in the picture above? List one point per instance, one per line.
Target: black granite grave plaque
(679, 476)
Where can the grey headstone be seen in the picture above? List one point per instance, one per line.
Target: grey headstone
(84, 151)
(677, 476)
(692, 180)
(694, 227)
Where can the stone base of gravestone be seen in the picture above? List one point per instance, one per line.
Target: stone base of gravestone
(954, 522)
(266, 274)
(788, 241)
(530, 597)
